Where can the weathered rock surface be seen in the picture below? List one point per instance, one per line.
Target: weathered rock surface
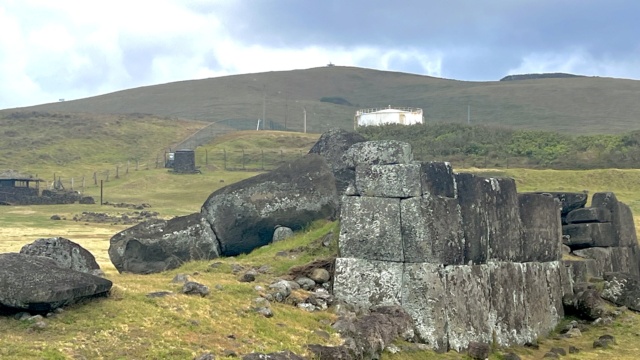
(381, 152)
(159, 245)
(588, 215)
(38, 284)
(437, 179)
(377, 238)
(622, 289)
(392, 181)
(541, 227)
(365, 283)
(588, 235)
(432, 230)
(281, 233)
(583, 270)
(243, 215)
(569, 202)
(613, 259)
(621, 218)
(490, 217)
(66, 253)
(332, 146)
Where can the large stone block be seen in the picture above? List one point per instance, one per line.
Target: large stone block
(541, 225)
(569, 202)
(370, 229)
(395, 181)
(424, 298)
(508, 303)
(582, 270)
(364, 283)
(580, 236)
(626, 260)
(490, 217)
(438, 179)
(602, 257)
(621, 217)
(380, 152)
(468, 305)
(540, 300)
(589, 215)
(432, 230)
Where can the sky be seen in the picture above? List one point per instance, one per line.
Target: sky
(71, 49)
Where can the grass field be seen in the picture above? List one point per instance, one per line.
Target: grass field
(128, 325)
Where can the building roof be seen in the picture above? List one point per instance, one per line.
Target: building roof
(14, 175)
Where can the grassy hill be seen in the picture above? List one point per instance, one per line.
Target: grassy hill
(575, 105)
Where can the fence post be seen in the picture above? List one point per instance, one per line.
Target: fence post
(95, 178)
(107, 176)
(117, 171)
(71, 183)
(127, 172)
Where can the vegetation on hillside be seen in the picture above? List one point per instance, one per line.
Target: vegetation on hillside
(493, 146)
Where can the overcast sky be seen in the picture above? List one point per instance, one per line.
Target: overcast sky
(73, 49)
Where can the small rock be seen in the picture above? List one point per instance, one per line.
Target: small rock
(247, 277)
(510, 356)
(55, 217)
(320, 275)
(206, 356)
(559, 351)
(194, 288)
(264, 269)
(306, 283)
(229, 353)
(478, 351)
(181, 279)
(307, 307)
(236, 268)
(281, 233)
(604, 341)
(264, 311)
(36, 318)
(573, 350)
(574, 333)
(392, 349)
(322, 334)
(258, 288)
(551, 355)
(39, 325)
(219, 287)
(215, 265)
(532, 345)
(158, 294)
(22, 316)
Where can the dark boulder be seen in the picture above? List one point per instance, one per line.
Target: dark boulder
(621, 218)
(589, 215)
(437, 179)
(542, 230)
(587, 235)
(569, 202)
(38, 284)
(243, 215)
(478, 351)
(158, 245)
(331, 146)
(64, 252)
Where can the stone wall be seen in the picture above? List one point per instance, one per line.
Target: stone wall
(604, 236)
(468, 257)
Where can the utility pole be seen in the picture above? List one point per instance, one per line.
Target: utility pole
(304, 124)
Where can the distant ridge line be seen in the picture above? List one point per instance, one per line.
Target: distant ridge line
(539, 76)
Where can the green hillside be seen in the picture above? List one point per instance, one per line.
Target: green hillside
(331, 95)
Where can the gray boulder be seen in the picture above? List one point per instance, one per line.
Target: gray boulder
(281, 233)
(243, 215)
(332, 145)
(38, 284)
(158, 245)
(621, 218)
(64, 252)
(622, 289)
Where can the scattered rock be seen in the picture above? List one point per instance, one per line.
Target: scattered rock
(281, 233)
(478, 351)
(551, 355)
(159, 294)
(281, 355)
(559, 351)
(55, 217)
(194, 288)
(510, 356)
(206, 356)
(573, 350)
(247, 277)
(181, 278)
(604, 341)
(320, 275)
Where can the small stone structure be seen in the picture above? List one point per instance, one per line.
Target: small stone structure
(469, 258)
(184, 162)
(20, 189)
(604, 236)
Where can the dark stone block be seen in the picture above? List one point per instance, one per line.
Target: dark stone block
(370, 229)
(587, 235)
(602, 257)
(589, 215)
(432, 230)
(438, 179)
(569, 201)
(542, 229)
(381, 152)
(621, 217)
(508, 303)
(583, 270)
(626, 260)
(490, 217)
(541, 302)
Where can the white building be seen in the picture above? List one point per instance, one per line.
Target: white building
(383, 116)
